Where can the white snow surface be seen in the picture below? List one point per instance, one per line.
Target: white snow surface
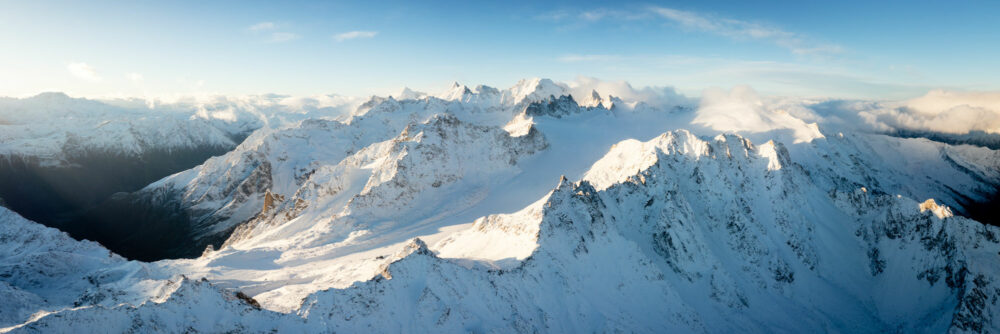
(518, 210)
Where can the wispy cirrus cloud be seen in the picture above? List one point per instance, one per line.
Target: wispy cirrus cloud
(268, 31)
(358, 34)
(83, 71)
(745, 30)
(699, 22)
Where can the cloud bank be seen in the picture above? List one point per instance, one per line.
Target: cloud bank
(944, 111)
(583, 87)
(743, 110)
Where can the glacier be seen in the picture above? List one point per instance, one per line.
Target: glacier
(544, 207)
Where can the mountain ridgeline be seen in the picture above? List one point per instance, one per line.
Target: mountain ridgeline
(538, 208)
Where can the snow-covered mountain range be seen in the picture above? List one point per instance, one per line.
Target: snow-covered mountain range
(54, 128)
(544, 207)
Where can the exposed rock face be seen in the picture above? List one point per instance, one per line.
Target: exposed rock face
(553, 107)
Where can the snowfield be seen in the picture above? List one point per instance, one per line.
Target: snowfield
(545, 207)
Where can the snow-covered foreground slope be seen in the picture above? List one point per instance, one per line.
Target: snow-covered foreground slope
(450, 213)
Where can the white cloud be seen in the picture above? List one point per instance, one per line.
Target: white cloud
(278, 37)
(938, 101)
(83, 71)
(968, 116)
(263, 26)
(134, 77)
(742, 110)
(945, 112)
(354, 35)
(582, 87)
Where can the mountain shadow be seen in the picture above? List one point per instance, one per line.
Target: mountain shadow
(79, 198)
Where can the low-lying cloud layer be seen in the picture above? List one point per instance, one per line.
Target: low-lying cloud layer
(743, 110)
(939, 111)
(657, 96)
(951, 112)
(954, 116)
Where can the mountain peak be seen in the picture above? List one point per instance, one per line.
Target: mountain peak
(455, 92)
(408, 94)
(52, 96)
(416, 246)
(939, 211)
(536, 89)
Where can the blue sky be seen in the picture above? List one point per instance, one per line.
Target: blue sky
(865, 49)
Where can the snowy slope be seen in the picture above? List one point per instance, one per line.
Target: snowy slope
(45, 270)
(438, 214)
(391, 183)
(645, 251)
(232, 189)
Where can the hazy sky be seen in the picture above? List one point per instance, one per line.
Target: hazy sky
(881, 49)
